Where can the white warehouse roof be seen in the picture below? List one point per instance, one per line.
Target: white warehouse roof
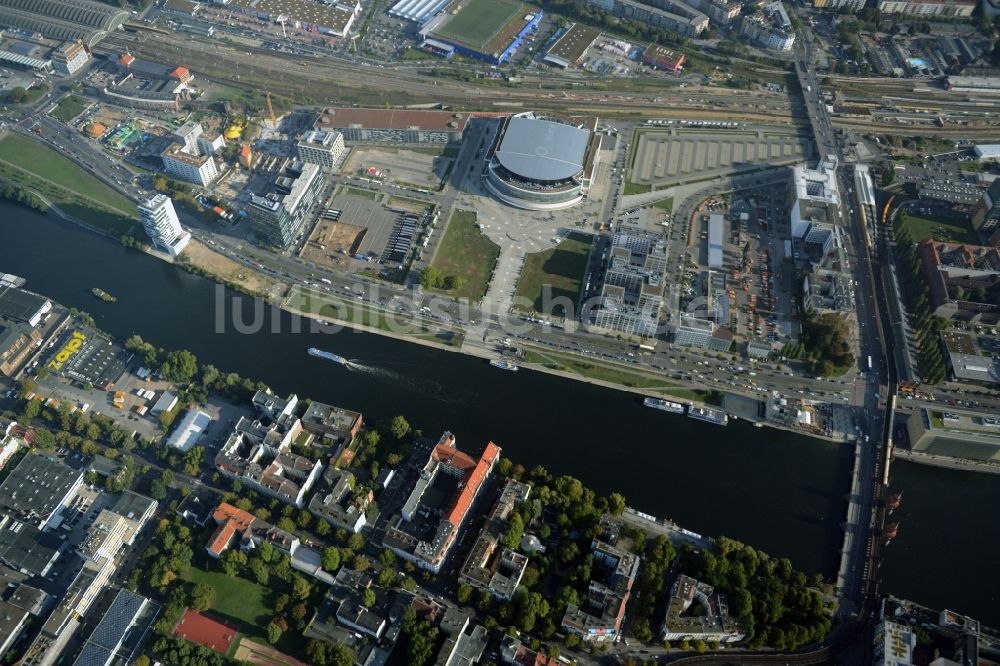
(190, 430)
(417, 10)
(989, 151)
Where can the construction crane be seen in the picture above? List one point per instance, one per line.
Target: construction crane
(270, 110)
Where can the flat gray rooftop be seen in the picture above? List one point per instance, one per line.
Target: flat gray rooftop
(542, 150)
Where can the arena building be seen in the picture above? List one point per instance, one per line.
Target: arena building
(63, 19)
(543, 162)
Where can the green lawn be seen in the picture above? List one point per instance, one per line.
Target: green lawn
(412, 54)
(466, 252)
(560, 268)
(665, 204)
(237, 599)
(367, 194)
(610, 373)
(942, 229)
(477, 23)
(69, 108)
(637, 188)
(61, 181)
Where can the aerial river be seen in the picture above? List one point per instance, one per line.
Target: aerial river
(777, 491)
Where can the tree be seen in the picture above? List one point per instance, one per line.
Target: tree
(32, 409)
(515, 530)
(19, 95)
(201, 597)
(463, 594)
(360, 563)
(454, 282)
(616, 504)
(44, 439)
(180, 366)
(331, 559)
(368, 597)
(356, 542)
(387, 557)
(233, 561)
(273, 633)
(399, 427)
(260, 571)
(387, 577)
(301, 589)
(157, 490)
(431, 278)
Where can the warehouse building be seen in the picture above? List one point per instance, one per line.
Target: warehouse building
(393, 126)
(570, 48)
(663, 59)
(23, 306)
(63, 19)
(36, 490)
(328, 18)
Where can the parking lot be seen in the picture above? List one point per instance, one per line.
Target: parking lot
(675, 154)
(364, 228)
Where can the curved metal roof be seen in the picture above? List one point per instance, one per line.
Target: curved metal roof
(63, 19)
(542, 150)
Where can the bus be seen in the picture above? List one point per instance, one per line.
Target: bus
(325, 281)
(869, 362)
(648, 348)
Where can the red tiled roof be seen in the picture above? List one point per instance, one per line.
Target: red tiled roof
(126, 59)
(232, 521)
(180, 73)
(226, 512)
(221, 538)
(473, 480)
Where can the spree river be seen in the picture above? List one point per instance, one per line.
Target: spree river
(780, 492)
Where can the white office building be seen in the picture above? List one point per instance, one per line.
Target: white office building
(193, 168)
(70, 57)
(159, 219)
(323, 148)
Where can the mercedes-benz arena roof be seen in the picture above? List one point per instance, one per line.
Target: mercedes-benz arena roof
(542, 150)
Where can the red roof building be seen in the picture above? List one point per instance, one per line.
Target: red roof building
(126, 59)
(233, 522)
(181, 74)
(471, 473)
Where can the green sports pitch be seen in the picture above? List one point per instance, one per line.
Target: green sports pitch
(479, 21)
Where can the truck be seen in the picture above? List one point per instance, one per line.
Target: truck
(869, 362)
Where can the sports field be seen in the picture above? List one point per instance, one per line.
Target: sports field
(480, 21)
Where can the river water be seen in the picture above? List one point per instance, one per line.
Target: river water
(780, 492)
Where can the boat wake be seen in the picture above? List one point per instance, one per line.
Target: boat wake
(428, 387)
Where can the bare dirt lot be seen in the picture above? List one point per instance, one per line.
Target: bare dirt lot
(332, 243)
(413, 167)
(227, 269)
